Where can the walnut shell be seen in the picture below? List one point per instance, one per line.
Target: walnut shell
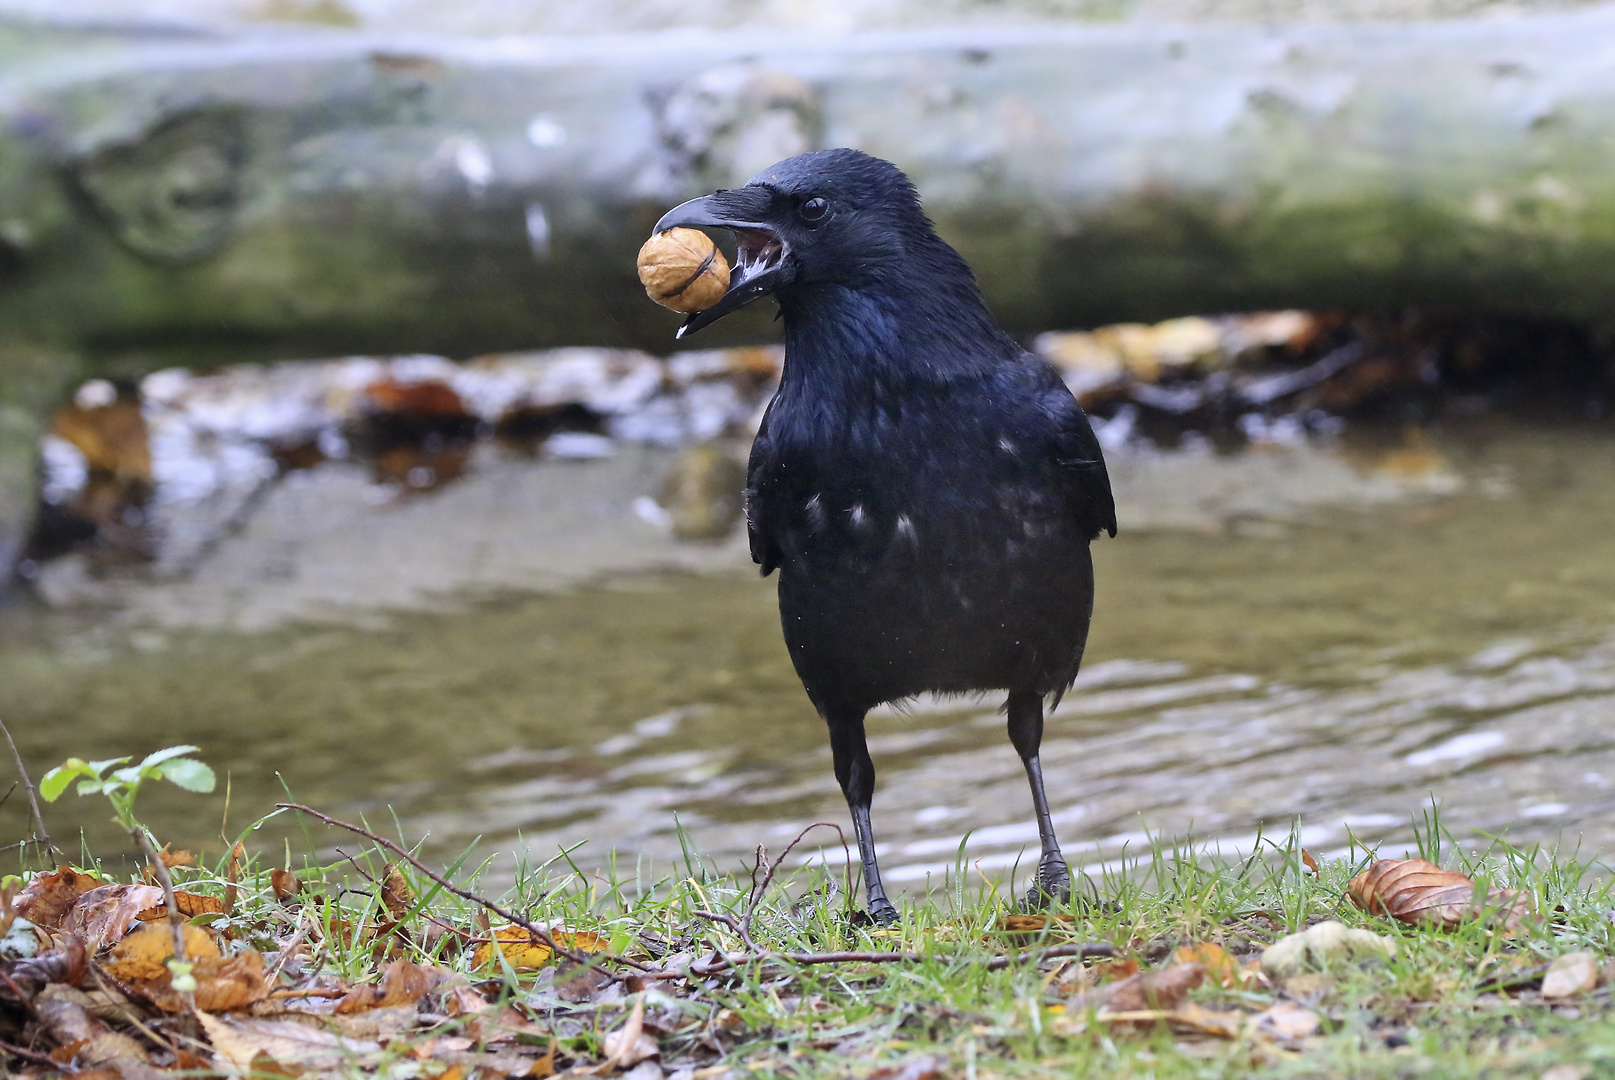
(683, 269)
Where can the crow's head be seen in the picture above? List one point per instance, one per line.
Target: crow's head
(831, 217)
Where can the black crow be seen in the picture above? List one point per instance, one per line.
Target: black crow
(926, 488)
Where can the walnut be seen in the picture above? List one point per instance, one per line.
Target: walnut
(683, 269)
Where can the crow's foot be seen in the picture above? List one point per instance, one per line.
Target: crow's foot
(882, 912)
(1052, 888)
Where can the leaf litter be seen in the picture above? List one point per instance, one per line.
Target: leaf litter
(302, 974)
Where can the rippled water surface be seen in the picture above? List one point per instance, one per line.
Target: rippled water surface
(1341, 670)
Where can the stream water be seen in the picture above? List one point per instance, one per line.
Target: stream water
(1340, 666)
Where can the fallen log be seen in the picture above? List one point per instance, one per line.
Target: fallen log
(333, 190)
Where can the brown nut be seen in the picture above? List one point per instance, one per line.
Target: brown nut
(683, 269)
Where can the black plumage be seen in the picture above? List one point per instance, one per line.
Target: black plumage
(926, 488)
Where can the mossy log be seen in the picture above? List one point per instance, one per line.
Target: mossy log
(326, 191)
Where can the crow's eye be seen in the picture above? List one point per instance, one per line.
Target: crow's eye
(814, 210)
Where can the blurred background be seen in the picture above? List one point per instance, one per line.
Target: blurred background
(338, 438)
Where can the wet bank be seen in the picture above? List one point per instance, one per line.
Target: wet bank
(1339, 659)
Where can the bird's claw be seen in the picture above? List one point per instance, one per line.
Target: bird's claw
(1051, 889)
(882, 912)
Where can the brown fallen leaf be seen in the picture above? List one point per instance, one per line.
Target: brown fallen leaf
(414, 400)
(1308, 861)
(50, 896)
(396, 894)
(544, 1066)
(1196, 1019)
(460, 999)
(925, 1067)
(1416, 891)
(232, 875)
(402, 983)
(170, 859)
(284, 883)
(223, 983)
(1221, 967)
(65, 964)
(1570, 975)
(112, 437)
(1160, 989)
(1026, 924)
(630, 1044)
(190, 905)
(226, 983)
(288, 1047)
(82, 1037)
(105, 914)
(1285, 1022)
(69, 1024)
(1113, 967)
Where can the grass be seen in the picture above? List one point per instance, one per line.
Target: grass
(1460, 1003)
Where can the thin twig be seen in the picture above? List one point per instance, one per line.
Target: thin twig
(289, 947)
(734, 926)
(36, 1057)
(755, 899)
(33, 795)
(464, 894)
(722, 963)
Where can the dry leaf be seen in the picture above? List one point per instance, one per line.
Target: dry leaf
(630, 1044)
(62, 965)
(230, 982)
(462, 1000)
(402, 983)
(1221, 968)
(222, 982)
(1572, 974)
(50, 896)
(374, 1025)
(190, 906)
(82, 1036)
(1158, 989)
(521, 950)
(1199, 1020)
(141, 957)
(1308, 861)
(248, 1043)
(232, 874)
(68, 1023)
(929, 1067)
(1117, 967)
(396, 894)
(284, 883)
(105, 914)
(544, 1066)
(1026, 924)
(1416, 891)
(581, 985)
(1285, 1022)
(524, 952)
(170, 860)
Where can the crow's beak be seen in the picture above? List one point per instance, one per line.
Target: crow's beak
(760, 258)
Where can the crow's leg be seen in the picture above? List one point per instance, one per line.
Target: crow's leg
(1026, 732)
(856, 774)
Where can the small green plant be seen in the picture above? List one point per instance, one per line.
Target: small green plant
(122, 785)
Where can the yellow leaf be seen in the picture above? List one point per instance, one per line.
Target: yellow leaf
(141, 956)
